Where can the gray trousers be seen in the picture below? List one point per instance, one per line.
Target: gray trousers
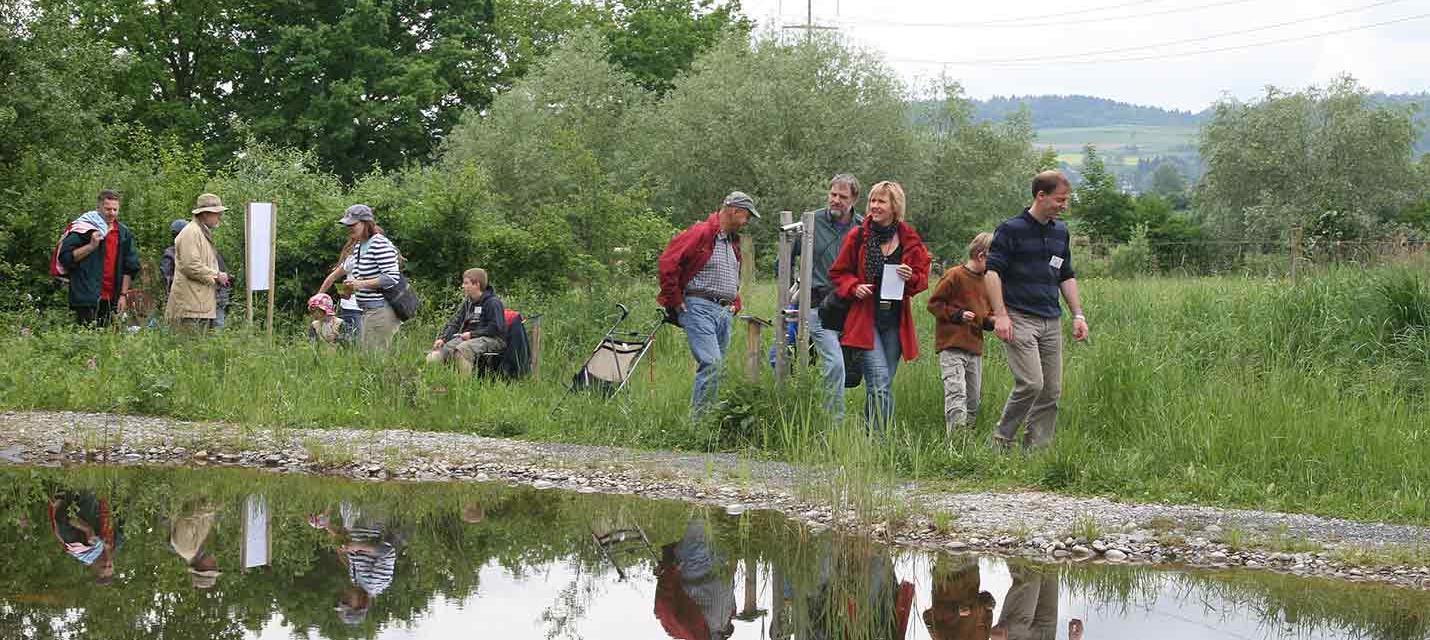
(962, 374)
(1035, 357)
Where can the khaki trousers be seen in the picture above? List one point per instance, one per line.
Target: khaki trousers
(962, 374)
(378, 327)
(1035, 357)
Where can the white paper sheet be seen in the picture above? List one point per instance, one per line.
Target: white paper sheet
(255, 532)
(892, 286)
(260, 245)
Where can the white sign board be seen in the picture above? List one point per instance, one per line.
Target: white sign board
(255, 532)
(260, 245)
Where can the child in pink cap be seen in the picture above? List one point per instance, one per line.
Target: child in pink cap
(326, 326)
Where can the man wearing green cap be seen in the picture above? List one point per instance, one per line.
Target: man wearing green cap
(197, 277)
(700, 287)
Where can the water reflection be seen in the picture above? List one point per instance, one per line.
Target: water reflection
(229, 554)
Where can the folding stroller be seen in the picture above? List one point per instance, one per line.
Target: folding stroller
(610, 366)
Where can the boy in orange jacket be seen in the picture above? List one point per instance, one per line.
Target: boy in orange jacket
(960, 305)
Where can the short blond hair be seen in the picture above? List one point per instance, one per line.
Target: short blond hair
(478, 276)
(980, 244)
(894, 192)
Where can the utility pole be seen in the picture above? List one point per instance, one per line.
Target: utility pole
(809, 26)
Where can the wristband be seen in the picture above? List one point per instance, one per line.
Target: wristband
(1079, 316)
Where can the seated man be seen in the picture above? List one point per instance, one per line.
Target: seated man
(478, 327)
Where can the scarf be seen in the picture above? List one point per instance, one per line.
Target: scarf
(874, 253)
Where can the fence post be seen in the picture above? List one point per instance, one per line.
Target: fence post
(1295, 252)
(806, 274)
(782, 295)
(754, 339)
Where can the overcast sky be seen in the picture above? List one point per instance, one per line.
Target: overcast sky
(1006, 48)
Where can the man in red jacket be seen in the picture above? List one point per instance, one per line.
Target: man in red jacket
(700, 287)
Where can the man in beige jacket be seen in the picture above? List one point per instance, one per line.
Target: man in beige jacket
(196, 273)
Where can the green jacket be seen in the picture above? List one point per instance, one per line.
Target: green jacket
(87, 274)
(827, 240)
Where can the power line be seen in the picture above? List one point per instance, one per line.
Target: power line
(1178, 42)
(1054, 20)
(1163, 56)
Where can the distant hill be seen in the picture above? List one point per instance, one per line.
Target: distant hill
(1063, 112)
(1422, 115)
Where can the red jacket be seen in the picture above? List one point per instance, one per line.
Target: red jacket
(847, 272)
(685, 256)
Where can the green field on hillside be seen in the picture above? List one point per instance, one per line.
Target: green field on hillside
(1120, 144)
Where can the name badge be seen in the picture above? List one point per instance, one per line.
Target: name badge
(1056, 262)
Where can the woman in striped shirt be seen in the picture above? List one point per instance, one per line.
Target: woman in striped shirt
(374, 266)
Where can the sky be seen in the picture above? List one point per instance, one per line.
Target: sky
(1091, 47)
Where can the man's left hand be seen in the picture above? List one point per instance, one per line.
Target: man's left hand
(1079, 329)
(123, 302)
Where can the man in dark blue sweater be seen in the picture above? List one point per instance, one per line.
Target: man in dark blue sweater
(1029, 264)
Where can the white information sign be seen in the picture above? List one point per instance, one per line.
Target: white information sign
(255, 532)
(260, 245)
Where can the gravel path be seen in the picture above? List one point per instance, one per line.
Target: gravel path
(1028, 523)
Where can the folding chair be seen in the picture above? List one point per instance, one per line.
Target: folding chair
(610, 365)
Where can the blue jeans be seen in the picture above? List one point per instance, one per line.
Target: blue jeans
(707, 329)
(880, 365)
(831, 364)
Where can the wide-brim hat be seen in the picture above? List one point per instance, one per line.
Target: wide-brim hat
(208, 203)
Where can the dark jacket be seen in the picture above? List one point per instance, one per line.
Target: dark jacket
(827, 241)
(1022, 255)
(485, 316)
(685, 256)
(87, 275)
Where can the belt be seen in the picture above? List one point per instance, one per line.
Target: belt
(724, 302)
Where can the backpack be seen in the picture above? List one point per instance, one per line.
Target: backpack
(57, 270)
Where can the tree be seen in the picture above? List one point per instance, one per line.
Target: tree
(1168, 182)
(1325, 159)
(974, 173)
(776, 121)
(656, 40)
(1100, 209)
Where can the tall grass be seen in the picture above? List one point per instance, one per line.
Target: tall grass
(1232, 391)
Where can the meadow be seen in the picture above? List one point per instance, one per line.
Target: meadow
(1125, 143)
(1231, 390)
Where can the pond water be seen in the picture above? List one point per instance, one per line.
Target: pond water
(97, 552)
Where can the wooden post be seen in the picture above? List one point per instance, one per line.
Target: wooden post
(806, 275)
(247, 281)
(754, 338)
(272, 266)
(533, 339)
(1295, 251)
(747, 261)
(782, 294)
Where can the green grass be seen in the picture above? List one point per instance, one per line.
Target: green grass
(1230, 391)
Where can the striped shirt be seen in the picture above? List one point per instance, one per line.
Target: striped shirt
(370, 571)
(720, 277)
(375, 256)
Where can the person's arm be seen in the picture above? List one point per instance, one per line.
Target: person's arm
(337, 272)
(918, 261)
(79, 249)
(1002, 324)
(669, 267)
(452, 327)
(1069, 288)
(940, 302)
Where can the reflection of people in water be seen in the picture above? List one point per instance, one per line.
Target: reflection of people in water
(87, 531)
(1030, 610)
(368, 548)
(473, 513)
(188, 535)
(694, 593)
(959, 610)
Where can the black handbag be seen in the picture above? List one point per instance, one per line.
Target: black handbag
(833, 310)
(402, 299)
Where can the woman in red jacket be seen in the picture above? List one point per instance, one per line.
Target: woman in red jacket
(885, 328)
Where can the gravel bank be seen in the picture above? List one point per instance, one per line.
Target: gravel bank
(1035, 524)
